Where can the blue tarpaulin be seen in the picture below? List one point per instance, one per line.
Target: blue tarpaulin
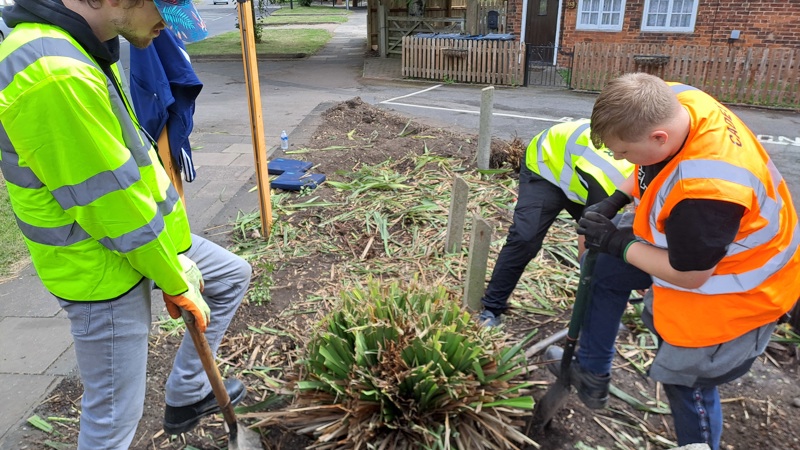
(479, 37)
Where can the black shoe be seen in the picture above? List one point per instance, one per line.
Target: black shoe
(182, 419)
(592, 389)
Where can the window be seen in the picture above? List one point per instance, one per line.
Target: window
(669, 15)
(603, 15)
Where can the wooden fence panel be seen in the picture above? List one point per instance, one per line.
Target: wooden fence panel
(464, 60)
(768, 76)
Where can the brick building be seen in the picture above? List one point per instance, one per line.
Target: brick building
(765, 23)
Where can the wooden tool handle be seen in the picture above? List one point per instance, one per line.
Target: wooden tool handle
(207, 358)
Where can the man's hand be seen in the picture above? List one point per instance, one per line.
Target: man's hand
(610, 206)
(604, 236)
(193, 275)
(191, 301)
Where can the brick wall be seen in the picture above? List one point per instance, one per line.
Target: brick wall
(766, 23)
(514, 17)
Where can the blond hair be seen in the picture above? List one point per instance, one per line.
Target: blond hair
(630, 106)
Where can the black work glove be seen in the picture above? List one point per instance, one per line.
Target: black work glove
(610, 206)
(602, 235)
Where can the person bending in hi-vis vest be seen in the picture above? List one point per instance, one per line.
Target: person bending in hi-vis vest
(562, 170)
(98, 213)
(715, 234)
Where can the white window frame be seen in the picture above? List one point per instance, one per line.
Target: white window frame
(600, 27)
(667, 28)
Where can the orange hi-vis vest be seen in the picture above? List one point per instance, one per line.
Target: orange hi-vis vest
(758, 279)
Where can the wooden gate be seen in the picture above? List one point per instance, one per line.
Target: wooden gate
(399, 27)
(465, 60)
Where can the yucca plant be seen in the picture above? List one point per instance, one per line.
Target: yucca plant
(402, 367)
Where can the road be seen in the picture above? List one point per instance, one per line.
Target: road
(523, 112)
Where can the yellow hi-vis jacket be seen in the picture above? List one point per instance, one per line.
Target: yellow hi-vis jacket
(554, 154)
(94, 204)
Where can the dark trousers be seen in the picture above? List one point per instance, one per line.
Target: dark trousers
(538, 205)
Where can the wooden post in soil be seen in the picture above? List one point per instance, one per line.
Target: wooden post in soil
(250, 60)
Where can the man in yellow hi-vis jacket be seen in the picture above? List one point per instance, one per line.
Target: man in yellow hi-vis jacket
(562, 170)
(98, 213)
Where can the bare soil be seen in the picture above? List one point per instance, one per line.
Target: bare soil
(761, 410)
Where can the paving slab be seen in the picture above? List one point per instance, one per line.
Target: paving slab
(25, 296)
(17, 394)
(31, 345)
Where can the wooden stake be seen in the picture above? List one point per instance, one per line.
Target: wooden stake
(250, 60)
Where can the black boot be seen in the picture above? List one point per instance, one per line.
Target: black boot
(592, 389)
(182, 419)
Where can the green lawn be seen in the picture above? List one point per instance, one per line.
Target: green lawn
(306, 15)
(275, 42)
(311, 10)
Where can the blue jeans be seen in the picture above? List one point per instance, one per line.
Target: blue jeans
(111, 348)
(696, 411)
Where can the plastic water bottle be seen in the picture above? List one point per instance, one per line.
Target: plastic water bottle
(284, 140)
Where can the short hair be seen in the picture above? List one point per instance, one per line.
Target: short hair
(630, 106)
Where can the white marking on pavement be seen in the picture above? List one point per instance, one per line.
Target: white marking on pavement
(781, 140)
(467, 111)
(393, 101)
(413, 93)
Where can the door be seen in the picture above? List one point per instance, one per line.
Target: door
(541, 29)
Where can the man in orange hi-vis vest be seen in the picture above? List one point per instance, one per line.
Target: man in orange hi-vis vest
(715, 233)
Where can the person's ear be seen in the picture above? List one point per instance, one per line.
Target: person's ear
(660, 136)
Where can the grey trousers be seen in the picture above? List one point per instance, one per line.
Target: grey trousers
(111, 348)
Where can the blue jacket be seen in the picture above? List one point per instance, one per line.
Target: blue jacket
(164, 87)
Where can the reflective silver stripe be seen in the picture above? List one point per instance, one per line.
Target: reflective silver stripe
(708, 170)
(573, 149)
(678, 88)
(98, 185)
(62, 236)
(134, 139)
(742, 282)
(568, 169)
(594, 158)
(70, 234)
(134, 239)
(32, 51)
(166, 206)
(544, 171)
(9, 163)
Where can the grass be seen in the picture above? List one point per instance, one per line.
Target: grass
(310, 11)
(12, 246)
(306, 15)
(276, 42)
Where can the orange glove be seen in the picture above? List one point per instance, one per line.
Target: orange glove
(192, 301)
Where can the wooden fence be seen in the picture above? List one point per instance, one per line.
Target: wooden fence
(465, 60)
(399, 27)
(759, 76)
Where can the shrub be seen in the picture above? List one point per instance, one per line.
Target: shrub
(406, 368)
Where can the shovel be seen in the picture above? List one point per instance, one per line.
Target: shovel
(555, 397)
(239, 436)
